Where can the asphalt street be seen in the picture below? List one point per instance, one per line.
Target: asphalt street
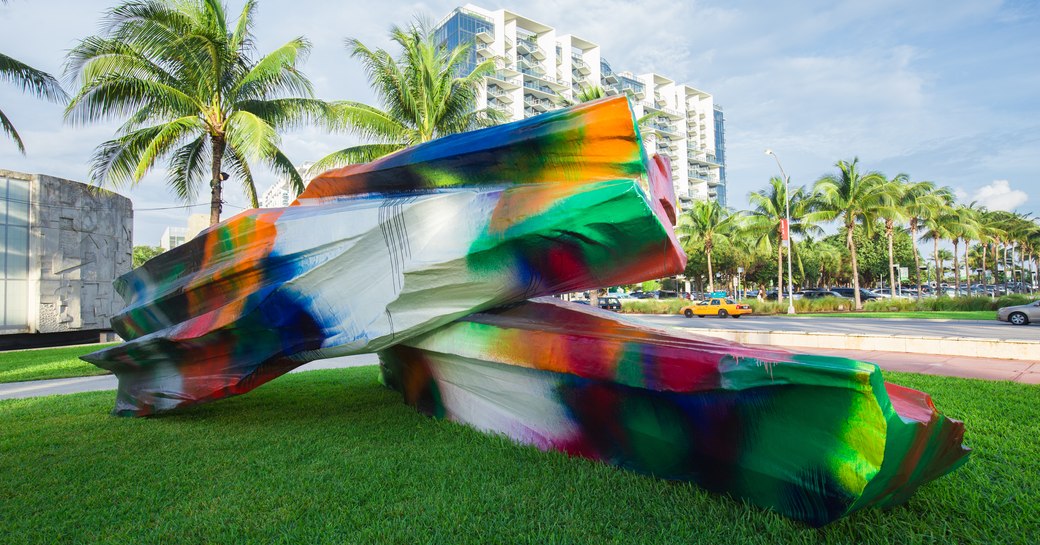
(977, 329)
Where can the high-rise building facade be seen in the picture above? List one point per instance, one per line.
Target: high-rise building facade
(720, 156)
(541, 69)
(281, 193)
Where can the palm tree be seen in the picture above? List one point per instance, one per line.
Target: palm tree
(850, 197)
(988, 229)
(892, 212)
(39, 83)
(769, 211)
(918, 200)
(422, 93)
(710, 223)
(830, 258)
(938, 227)
(942, 256)
(588, 93)
(963, 226)
(187, 81)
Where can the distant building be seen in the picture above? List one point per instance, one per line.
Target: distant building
(197, 223)
(281, 194)
(174, 236)
(63, 244)
(540, 68)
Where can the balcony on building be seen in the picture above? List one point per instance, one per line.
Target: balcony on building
(536, 87)
(537, 104)
(506, 79)
(529, 66)
(628, 84)
(485, 34)
(580, 66)
(607, 76)
(499, 93)
(528, 44)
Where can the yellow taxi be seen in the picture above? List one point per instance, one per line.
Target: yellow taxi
(716, 306)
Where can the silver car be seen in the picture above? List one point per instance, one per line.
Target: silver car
(1021, 314)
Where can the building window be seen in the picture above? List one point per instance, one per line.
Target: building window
(14, 253)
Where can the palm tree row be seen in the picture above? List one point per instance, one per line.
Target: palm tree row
(855, 200)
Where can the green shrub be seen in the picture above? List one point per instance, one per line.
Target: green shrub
(652, 306)
(839, 304)
(947, 303)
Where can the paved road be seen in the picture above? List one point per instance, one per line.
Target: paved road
(880, 326)
(34, 388)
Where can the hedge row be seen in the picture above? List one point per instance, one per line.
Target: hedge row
(838, 304)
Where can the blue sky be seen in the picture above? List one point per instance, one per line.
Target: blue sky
(941, 90)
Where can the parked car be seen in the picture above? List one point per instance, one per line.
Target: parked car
(610, 303)
(771, 295)
(818, 294)
(1020, 314)
(716, 307)
(864, 294)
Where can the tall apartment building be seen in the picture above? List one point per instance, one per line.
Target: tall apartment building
(281, 193)
(539, 68)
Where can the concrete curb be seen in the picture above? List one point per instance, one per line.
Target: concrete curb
(939, 346)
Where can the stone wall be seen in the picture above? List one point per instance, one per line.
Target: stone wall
(79, 242)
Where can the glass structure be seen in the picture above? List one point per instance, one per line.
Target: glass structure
(720, 154)
(14, 253)
(462, 27)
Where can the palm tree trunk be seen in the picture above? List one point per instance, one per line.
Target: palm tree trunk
(891, 259)
(216, 182)
(956, 268)
(855, 268)
(967, 267)
(982, 269)
(1007, 286)
(996, 260)
(711, 275)
(938, 266)
(917, 257)
(779, 272)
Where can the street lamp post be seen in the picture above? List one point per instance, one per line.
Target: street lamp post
(787, 231)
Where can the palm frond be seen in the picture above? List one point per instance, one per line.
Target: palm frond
(189, 168)
(355, 155)
(8, 128)
(252, 137)
(36, 82)
(239, 167)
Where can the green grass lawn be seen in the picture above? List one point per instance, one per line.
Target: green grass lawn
(19, 365)
(332, 457)
(924, 314)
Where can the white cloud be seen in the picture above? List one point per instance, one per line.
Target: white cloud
(998, 195)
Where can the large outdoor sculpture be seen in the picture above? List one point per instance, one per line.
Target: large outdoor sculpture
(812, 437)
(429, 257)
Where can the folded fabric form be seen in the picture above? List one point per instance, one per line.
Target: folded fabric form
(814, 438)
(374, 254)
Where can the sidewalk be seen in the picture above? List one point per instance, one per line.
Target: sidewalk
(1026, 372)
(34, 388)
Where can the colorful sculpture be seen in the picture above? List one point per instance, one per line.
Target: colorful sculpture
(814, 438)
(428, 256)
(553, 204)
